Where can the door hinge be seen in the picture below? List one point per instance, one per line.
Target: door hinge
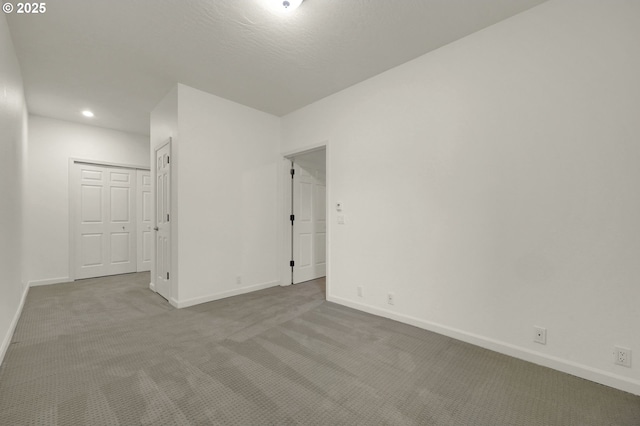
(292, 217)
(167, 217)
(293, 172)
(292, 263)
(168, 159)
(167, 275)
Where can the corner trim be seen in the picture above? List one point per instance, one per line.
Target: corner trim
(223, 295)
(152, 287)
(12, 328)
(49, 281)
(563, 365)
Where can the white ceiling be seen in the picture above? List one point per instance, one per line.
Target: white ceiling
(316, 159)
(120, 57)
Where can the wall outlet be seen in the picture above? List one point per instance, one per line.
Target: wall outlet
(360, 292)
(238, 279)
(622, 356)
(391, 298)
(540, 335)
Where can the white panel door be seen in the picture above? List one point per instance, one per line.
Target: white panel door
(309, 226)
(105, 237)
(144, 214)
(163, 225)
(320, 228)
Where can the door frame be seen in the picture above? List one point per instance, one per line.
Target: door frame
(73, 196)
(285, 270)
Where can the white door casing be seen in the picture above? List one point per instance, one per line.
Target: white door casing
(105, 225)
(310, 225)
(163, 225)
(144, 213)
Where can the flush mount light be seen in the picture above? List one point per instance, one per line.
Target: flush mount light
(87, 113)
(284, 6)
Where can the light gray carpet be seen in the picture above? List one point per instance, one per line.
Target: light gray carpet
(108, 351)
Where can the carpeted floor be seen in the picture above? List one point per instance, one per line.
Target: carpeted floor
(108, 351)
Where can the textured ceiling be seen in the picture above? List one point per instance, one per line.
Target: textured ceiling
(120, 57)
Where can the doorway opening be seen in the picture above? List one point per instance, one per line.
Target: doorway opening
(308, 215)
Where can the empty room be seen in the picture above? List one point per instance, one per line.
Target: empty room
(320, 212)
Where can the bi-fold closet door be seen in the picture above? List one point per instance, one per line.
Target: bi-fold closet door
(105, 216)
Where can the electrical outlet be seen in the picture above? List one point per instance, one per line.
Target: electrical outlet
(360, 291)
(540, 335)
(238, 279)
(622, 356)
(391, 298)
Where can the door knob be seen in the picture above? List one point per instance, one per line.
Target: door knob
(155, 228)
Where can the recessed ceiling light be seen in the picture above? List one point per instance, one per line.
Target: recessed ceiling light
(283, 6)
(87, 113)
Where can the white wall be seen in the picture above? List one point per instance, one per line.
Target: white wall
(51, 144)
(228, 197)
(492, 185)
(13, 145)
(225, 169)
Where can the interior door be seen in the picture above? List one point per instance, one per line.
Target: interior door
(163, 224)
(105, 242)
(144, 214)
(309, 226)
(320, 225)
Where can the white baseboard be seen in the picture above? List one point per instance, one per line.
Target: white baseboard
(570, 367)
(49, 281)
(6, 341)
(217, 296)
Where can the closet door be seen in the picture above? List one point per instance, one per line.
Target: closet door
(105, 237)
(144, 206)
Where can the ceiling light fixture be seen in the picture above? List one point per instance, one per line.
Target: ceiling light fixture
(284, 6)
(87, 113)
